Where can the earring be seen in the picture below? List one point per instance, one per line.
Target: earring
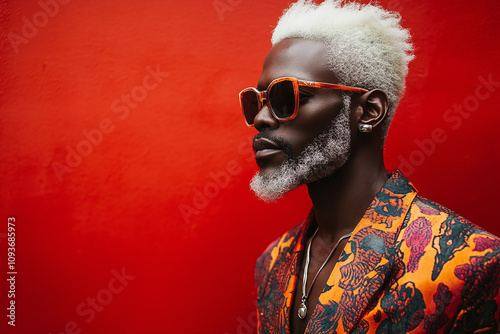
(365, 128)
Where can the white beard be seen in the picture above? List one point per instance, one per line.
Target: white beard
(320, 158)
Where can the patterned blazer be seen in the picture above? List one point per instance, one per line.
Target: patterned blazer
(410, 266)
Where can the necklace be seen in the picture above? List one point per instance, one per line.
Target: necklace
(302, 313)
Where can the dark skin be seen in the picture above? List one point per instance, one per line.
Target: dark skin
(339, 200)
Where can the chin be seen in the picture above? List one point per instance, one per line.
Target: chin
(267, 171)
(271, 184)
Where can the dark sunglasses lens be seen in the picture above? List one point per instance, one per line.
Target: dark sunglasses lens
(250, 106)
(282, 99)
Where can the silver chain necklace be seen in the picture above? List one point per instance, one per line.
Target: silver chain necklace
(302, 313)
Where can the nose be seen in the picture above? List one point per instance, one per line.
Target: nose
(265, 119)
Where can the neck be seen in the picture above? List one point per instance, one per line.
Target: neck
(340, 200)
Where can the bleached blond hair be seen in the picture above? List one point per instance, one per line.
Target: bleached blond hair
(366, 45)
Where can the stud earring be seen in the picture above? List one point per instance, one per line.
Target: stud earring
(365, 128)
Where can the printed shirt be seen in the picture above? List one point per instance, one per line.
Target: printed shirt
(410, 266)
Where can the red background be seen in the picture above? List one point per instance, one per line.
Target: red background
(121, 205)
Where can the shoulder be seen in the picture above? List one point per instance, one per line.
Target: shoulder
(457, 250)
(450, 232)
(444, 222)
(452, 264)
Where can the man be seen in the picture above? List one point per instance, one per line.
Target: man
(373, 256)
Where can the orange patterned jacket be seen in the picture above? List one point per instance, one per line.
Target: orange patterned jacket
(410, 266)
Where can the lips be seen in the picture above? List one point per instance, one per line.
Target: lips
(265, 148)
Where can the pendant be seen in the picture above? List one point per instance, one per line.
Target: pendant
(302, 310)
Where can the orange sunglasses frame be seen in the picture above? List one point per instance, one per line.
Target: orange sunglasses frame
(262, 96)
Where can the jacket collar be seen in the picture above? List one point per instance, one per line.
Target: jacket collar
(365, 263)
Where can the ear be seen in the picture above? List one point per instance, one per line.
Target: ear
(375, 105)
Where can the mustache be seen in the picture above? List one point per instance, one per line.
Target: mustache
(282, 143)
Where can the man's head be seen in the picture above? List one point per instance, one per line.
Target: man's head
(365, 44)
(350, 46)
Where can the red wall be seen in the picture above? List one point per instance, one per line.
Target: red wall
(176, 142)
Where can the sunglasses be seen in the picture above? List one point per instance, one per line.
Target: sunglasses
(281, 97)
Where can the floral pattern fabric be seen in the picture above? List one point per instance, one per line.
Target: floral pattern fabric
(410, 266)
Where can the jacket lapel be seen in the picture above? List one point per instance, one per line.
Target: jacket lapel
(367, 260)
(277, 287)
(294, 273)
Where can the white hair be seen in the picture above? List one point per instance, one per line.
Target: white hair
(365, 44)
(321, 157)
